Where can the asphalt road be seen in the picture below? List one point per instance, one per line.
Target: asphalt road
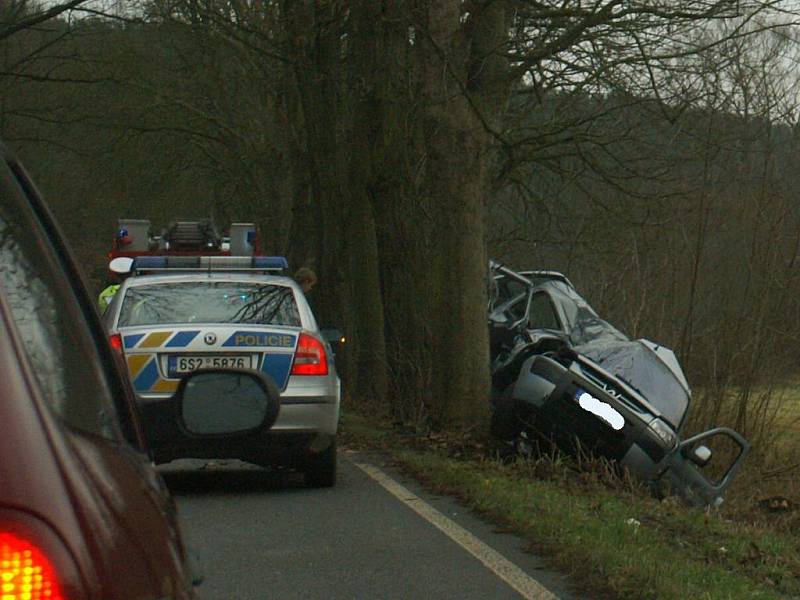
(261, 534)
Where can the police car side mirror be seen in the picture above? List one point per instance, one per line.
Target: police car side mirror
(227, 402)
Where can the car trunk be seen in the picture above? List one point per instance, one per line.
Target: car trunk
(158, 357)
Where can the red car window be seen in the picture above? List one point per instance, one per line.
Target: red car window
(52, 327)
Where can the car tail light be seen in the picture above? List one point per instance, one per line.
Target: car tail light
(35, 564)
(310, 357)
(25, 572)
(116, 344)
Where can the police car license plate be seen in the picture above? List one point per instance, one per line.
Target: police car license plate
(180, 365)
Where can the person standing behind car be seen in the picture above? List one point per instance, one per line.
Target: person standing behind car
(107, 295)
(307, 279)
(118, 271)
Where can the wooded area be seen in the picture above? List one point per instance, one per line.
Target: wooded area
(646, 149)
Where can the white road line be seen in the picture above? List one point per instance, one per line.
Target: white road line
(526, 586)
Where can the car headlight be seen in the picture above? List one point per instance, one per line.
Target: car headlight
(663, 432)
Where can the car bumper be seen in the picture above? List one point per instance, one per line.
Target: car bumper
(548, 390)
(544, 396)
(307, 421)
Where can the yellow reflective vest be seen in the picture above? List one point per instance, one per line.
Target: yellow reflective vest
(106, 296)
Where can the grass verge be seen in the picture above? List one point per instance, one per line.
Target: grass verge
(614, 542)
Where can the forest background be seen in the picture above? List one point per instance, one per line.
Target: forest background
(649, 150)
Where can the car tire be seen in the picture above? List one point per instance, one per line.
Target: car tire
(320, 471)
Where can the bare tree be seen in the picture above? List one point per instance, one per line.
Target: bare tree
(19, 15)
(375, 138)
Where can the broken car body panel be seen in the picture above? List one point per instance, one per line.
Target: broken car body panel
(562, 372)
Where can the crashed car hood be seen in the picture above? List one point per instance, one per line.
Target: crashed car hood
(650, 369)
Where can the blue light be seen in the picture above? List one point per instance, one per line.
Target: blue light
(183, 262)
(270, 262)
(149, 262)
(210, 263)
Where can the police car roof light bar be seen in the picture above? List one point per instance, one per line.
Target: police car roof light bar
(173, 264)
(141, 263)
(270, 262)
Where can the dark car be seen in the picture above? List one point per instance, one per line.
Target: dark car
(562, 373)
(83, 512)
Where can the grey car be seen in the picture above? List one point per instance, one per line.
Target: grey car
(561, 372)
(228, 313)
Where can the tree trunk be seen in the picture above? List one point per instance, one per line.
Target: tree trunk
(460, 107)
(400, 182)
(339, 160)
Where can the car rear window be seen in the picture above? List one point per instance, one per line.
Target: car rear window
(209, 302)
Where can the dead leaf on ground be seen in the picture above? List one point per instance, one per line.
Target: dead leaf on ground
(777, 504)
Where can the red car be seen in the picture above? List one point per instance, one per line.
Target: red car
(83, 513)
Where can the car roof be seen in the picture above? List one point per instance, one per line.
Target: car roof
(149, 279)
(533, 276)
(546, 275)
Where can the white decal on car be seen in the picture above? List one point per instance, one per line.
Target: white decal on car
(602, 410)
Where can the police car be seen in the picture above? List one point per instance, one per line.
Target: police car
(179, 314)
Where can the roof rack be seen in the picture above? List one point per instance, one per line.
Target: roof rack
(134, 237)
(211, 264)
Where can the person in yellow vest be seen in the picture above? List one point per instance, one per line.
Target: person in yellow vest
(119, 268)
(106, 296)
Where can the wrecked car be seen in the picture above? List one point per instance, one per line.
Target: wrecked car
(561, 373)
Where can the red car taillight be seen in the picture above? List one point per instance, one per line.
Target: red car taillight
(310, 357)
(25, 572)
(35, 563)
(116, 342)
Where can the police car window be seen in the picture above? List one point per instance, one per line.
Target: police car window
(48, 318)
(209, 302)
(543, 315)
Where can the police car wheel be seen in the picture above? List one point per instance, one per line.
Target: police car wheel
(320, 470)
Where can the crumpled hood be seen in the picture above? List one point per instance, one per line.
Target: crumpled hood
(651, 369)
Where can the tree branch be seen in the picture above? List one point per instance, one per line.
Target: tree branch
(35, 19)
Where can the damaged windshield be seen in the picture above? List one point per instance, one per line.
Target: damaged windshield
(631, 361)
(582, 323)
